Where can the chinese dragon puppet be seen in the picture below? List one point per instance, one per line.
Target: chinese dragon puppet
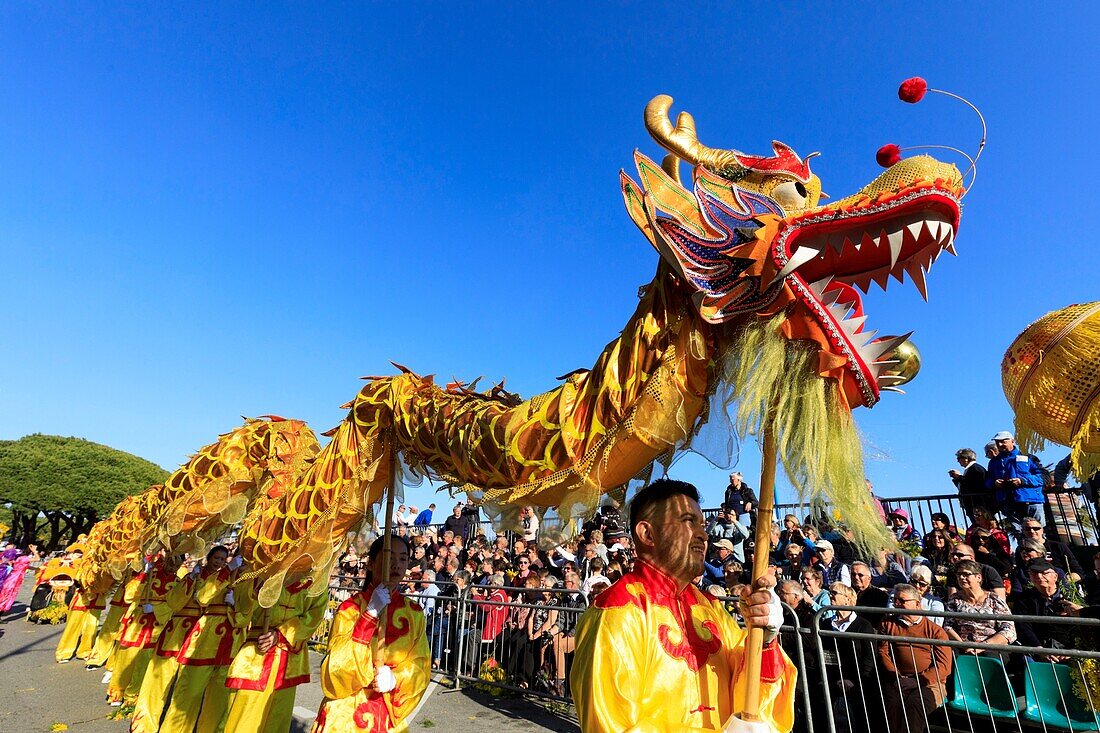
(199, 501)
(754, 310)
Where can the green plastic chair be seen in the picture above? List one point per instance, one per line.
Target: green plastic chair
(981, 688)
(1050, 698)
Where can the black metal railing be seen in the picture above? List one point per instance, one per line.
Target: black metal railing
(520, 640)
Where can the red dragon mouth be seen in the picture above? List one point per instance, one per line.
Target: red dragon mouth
(825, 253)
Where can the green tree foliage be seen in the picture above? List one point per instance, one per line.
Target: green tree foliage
(71, 482)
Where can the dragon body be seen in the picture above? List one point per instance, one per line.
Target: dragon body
(753, 310)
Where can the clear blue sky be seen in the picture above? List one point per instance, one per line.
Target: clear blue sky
(209, 211)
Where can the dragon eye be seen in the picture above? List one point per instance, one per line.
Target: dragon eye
(791, 195)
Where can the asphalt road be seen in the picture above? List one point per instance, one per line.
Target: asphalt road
(37, 692)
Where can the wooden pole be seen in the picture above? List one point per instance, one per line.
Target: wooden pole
(387, 540)
(754, 648)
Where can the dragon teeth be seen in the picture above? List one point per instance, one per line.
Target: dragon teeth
(830, 297)
(916, 273)
(933, 227)
(819, 286)
(852, 325)
(866, 337)
(895, 239)
(799, 257)
(887, 345)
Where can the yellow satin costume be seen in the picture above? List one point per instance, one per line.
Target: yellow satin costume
(183, 611)
(651, 658)
(106, 641)
(139, 631)
(80, 627)
(200, 698)
(262, 697)
(356, 647)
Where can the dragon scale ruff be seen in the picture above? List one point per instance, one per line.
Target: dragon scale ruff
(595, 432)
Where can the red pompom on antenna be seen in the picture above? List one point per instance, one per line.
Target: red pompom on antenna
(888, 154)
(912, 90)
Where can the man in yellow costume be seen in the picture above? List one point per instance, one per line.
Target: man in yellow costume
(80, 628)
(274, 658)
(184, 611)
(378, 661)
(106, 641)
(654, 653)
(151, 604)
(200, 698)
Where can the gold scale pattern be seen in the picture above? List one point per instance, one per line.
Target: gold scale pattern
(1051, 377)
(199, 501)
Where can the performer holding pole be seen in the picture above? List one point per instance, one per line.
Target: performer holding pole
(360, 696)
(378, 664)
(654, 653)
(79, 634)
(153, 599)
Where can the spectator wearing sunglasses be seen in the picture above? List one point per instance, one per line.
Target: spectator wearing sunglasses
(523, 571)
(921, 579)
(991, 580)
(1056, 553)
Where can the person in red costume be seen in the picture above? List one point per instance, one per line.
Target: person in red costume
(654, 653)
(378, 662)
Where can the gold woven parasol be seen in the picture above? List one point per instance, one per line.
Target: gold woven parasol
(1051, 377)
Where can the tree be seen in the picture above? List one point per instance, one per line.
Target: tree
(66, 484)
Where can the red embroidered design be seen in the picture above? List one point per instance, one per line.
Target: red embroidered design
(399, 625)
(372, 715)
(647, 587)
(693, 648)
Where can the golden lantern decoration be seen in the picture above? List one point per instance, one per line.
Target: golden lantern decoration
(1051, 378)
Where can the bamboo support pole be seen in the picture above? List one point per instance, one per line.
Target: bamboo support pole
(387, 551)
(754, 648)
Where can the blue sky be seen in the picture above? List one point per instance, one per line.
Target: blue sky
(209, 212)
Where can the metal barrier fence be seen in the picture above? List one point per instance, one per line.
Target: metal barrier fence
(521, 639)
(912, 684)
(1070, 516)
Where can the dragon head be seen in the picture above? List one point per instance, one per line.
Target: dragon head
(752, 238)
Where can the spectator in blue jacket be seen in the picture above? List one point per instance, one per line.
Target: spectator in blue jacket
(724, 526)
(723, 553)
(424, 518)
(1016, 480)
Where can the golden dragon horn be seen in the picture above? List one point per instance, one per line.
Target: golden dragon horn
(683, 141)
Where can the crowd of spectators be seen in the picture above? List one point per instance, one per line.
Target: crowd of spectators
(1004, 565)
(509, 599)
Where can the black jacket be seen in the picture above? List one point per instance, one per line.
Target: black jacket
(856, 657)
(736, 499)
(1033, 603)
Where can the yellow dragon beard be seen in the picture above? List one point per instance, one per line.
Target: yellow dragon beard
(817, 442)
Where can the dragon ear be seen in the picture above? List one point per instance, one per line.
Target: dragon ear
(670, 198)
(632, 197)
